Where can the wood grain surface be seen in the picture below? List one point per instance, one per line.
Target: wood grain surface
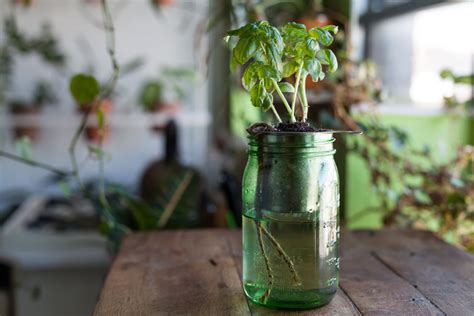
(198, 272)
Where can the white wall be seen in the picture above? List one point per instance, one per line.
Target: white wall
(162, 38)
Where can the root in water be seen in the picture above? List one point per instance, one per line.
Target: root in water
(265, 295)
(283, 254)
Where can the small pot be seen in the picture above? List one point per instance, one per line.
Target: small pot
(290, 220)
(32, 132)
(96, 135)
(93, 133)
(167, 107)
(162, 3)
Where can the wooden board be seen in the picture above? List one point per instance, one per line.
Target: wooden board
(198, 272)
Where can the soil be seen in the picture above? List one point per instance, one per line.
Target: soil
(298, 127)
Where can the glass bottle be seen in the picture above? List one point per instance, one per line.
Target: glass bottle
(290, 220)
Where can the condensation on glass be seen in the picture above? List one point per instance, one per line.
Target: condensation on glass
(290, 220)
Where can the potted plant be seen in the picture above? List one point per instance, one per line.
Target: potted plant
(162, 3)
(166, 93)
(290, 184)
(43, 95)
(82, 87)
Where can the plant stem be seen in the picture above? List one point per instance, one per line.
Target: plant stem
(110, 43)
(283, 99)
(304, 98)
(283, 254)
(265, 295)
(276, 113)
(36, 164)
(297, 84)
(72, 148)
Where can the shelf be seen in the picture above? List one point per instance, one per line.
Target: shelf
(124, 119)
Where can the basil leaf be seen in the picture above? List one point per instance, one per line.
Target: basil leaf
(321, 35)
(311, 47)
(257, 94)
(313, 67)
(290, 68)
(244, 50)
(267, 102)
(249, 77)
(274, 57)
(294, 30)
(327, 57)
(331, 28)
(265, 71)
(286, 87)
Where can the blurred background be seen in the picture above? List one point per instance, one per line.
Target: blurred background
(171, 145)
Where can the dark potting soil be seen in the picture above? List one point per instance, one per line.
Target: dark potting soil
(298, 127)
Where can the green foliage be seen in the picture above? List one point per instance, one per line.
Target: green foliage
(178, 196)
(23, 148)
(151, 94)
(271, 56)
(414, 189)
(84, 88)
(45, 45)
(173, 80)
(43, 94)
(452, 101)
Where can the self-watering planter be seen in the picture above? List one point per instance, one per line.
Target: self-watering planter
(290, 185)
(290, 220)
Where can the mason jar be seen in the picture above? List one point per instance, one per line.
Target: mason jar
(290, 220)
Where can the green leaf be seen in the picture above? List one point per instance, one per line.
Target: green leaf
(274, 56)
(321, 35)
(289, 68)
(273, 36)
(23, 147)
(244, 50)
(265, 71)
(84, 88)
(267, 102)
(64, 186)
(294, 30)
(100, 118)
(286, 87)
(242, 30)
(313, 67)
(331, 28)
(249, 77)
(257, 94)
(327, 57)
(311, 47)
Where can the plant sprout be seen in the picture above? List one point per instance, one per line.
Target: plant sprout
(273, 55)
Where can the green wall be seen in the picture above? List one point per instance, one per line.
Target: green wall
(442, 133)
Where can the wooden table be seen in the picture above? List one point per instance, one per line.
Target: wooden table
(198, 272)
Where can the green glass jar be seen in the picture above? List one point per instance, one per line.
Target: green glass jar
(290, 220)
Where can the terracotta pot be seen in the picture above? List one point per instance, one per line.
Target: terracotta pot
(167, 107)
(32, 132)
(96, 135)
(106, 105)
(163, 3)
(93, 133)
